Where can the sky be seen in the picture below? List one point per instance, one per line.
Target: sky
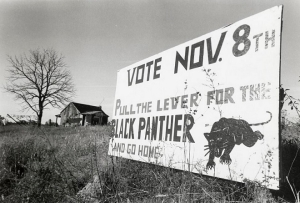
(97, 38)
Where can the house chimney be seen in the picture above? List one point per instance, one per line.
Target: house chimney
(100, 107)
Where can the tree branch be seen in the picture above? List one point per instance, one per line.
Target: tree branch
(40, 79)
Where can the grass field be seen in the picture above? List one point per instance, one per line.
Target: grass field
(55, 164)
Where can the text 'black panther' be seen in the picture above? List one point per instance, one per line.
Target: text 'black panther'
(225, 134)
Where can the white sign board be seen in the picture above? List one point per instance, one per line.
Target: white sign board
(210, 105)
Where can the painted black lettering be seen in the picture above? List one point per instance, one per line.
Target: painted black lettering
(166, 104)
(141, 127)
(177, 128)
(147, 134)
(256, 37)
(194, 98)
(210, 96)
(198, 64)
(244, 93)
(169, 128)
(267, 39)
(175, 102)
(183, 62)
(115, 123)
(121, 129)
(228, 95)
(161, 124)
(154, 128)
(149, 64)
(219, 96)
(241, 39)
(118, 104)
(188, 124)
(125, 128)
(156, 68)
(254, 92)
(131, 134)
(213, 58)
(140, 80)
(130, 80)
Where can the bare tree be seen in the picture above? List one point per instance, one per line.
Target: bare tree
(40, 79)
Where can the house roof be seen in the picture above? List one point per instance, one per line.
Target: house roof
(85, 108)
(91, 112)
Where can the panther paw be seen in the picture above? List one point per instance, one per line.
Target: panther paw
(210, 165)
(225, 159)
(259, 135)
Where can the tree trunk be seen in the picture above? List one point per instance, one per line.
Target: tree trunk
(40, 113)
(39, 121)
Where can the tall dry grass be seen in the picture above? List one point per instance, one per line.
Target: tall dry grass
(58, 164)
(49, 164)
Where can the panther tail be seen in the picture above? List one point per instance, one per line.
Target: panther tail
(263, 123)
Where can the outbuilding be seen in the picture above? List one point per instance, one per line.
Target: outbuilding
(82, 114)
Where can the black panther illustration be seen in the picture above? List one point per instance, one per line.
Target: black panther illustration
(225, 134)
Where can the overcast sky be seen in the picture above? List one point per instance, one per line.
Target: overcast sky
(100, 37)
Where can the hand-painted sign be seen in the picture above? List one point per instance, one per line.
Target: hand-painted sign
(210, 105)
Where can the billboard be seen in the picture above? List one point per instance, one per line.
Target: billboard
(209, 105)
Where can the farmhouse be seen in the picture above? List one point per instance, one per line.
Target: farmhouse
(82, 114)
